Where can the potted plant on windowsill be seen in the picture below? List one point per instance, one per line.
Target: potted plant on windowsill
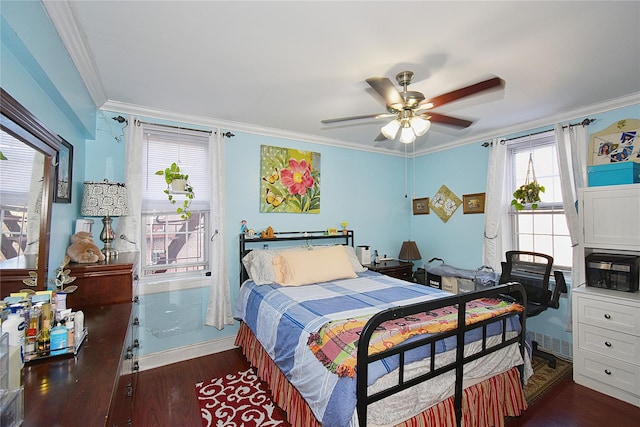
(178, 183)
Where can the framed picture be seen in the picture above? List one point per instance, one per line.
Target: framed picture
(332, 231)
(64, 168)
(473, 203)
(421, 206)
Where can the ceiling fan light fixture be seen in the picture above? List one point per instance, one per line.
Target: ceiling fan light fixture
(419, 125)
(390, 130)
(407, 136)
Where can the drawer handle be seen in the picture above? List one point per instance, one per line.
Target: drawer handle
(608, 372)
(607, 343)
(607, 316)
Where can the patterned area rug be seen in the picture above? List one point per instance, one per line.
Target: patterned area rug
(241, 400)
(237, 400)
(545, 377)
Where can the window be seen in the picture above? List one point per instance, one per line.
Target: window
(171, 245)
(21, 170)
(545, 228)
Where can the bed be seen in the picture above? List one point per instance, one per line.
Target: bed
(305, 337)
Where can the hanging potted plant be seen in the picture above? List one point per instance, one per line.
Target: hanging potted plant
(178, 183)
(529, 192)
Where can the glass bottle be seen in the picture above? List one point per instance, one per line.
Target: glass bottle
(44, 342)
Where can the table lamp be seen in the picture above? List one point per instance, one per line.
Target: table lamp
(409, 251)
(105, 199)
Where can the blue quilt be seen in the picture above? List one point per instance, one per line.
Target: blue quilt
(282, 319)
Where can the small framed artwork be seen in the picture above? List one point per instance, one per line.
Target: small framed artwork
(421, 206)
(64, 169)
(473, 203)
(332, 231)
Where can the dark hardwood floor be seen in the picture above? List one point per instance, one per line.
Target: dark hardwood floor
(165, 396)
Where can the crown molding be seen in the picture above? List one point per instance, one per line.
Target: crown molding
(158, 114)
(74, 40)
(550, 121)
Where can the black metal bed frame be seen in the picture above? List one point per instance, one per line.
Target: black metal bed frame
(290, 236)
(460, 300)
(364, 359)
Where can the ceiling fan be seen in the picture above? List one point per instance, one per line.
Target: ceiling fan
(411, 111)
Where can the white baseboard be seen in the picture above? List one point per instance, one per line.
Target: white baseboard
(155, 360)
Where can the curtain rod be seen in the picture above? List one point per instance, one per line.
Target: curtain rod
(140, 122)
(585, 122)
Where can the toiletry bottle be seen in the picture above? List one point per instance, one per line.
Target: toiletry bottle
(71, 335)
(44, 342)
(14, 325)
(58, 337)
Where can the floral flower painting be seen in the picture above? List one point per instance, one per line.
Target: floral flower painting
(444, 203)
(290, 180)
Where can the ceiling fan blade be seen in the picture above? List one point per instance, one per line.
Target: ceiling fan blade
(366, 116)
(380, 137)
(446, 120)
(387, 90)
(438, 101)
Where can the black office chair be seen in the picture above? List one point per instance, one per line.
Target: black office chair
(533, 271)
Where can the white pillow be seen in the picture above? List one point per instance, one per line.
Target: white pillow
(357, 267)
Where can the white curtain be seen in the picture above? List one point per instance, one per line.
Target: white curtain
(128, 230)
(572, 161)
(219, 306)
(495, 210)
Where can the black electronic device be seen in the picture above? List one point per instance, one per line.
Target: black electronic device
(613, 271)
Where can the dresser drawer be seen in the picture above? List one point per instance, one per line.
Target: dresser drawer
(609, 343)
(617, 317)
(621, 375)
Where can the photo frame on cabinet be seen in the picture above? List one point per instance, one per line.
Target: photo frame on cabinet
(421, 206)
(473, 203)
(63, 173)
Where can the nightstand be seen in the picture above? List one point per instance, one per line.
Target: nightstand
(399, 269)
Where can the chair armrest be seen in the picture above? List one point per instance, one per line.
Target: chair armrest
(560, 288)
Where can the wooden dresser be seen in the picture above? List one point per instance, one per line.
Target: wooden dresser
(399, 269)
(97, 386)
(106, 282)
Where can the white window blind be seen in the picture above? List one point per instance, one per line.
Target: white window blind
(16, 171)
(189, 149)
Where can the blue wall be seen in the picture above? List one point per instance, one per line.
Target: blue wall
(36, 70)
(458, 241)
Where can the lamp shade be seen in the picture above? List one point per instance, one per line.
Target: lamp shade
(104, 199)
(419, 125)
(407, 136)
(409, 251)
(390, 130)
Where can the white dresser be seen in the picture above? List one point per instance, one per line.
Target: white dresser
(606, 323)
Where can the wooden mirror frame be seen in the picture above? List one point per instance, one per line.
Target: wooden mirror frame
(17, 121)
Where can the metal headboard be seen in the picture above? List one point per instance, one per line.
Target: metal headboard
(248, 244)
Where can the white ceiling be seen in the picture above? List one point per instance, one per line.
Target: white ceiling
(287, 65)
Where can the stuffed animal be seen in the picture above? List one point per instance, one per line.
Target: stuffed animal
(83, 250)
(268, 233)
